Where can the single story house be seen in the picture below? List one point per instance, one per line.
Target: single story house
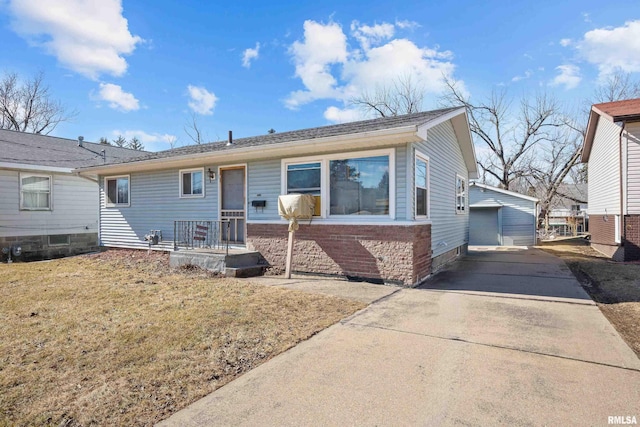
(612, 151)
(46, 209)
(501, 217)
(391, 194)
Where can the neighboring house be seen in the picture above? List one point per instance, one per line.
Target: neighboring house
(501, 217)
(612, 151)
(568, 215)
(45, 208)
(391, 194)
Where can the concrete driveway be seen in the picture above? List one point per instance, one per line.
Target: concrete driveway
(501, 337)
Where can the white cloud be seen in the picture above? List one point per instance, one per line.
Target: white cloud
(569, 76)
(117, 98)
(323, 46)
(89, 37)
(586, 17)
(342, 115)
(202, 101)
(407, 25)
(371, 35)
(249, 55)
(613, 49)
(330, 70)
(151, 141)
(525, 76)
(565, 42)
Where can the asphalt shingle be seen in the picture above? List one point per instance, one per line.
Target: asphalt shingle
(34, 149)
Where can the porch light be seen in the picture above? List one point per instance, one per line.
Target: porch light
(212, 175)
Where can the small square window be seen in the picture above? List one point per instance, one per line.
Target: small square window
(192, 183)
(117, 190)
(35, 192)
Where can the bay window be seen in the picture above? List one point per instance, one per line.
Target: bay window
(421, 182)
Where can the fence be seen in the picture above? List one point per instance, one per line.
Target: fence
(194, 234)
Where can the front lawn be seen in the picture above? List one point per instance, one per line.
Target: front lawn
(614, 286)
(119, 339)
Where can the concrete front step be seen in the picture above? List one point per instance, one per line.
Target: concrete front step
(240, 264)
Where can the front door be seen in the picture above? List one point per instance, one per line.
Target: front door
(232, 201)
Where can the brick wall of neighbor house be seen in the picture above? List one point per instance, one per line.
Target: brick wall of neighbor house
(384, 254)
(603, 234)
(631, 237)
(38, 248)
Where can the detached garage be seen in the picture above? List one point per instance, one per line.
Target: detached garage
(500, 217)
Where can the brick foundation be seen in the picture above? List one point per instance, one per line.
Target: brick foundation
(398, 254)
(603, 235)
(37, 247)
(632, 237)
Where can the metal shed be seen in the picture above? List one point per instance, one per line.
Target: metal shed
(500, 217)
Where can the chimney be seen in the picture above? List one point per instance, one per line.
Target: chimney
(104, 156)
(230, 142)
(80, 139)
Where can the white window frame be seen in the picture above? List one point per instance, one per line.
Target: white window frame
(190, 196)
(106, 192)
(421, 156)
(325, 178)
(28, 175)
(465, 208)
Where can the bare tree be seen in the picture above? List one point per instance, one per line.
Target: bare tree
(193, 130)
(27, 105)
(402, 96)
(509, 136)
(616, 87)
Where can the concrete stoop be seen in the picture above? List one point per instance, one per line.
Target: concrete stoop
(239, 264)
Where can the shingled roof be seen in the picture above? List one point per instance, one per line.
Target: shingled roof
(627, 110)
(33, 149)
(300, 135)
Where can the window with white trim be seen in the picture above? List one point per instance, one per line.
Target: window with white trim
(306, 178)
(344, 184)
(117, 190)
(192, 183)
(421, 183)
(35, 192)
(461, 194)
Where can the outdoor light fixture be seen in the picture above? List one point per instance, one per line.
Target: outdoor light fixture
(212, 175)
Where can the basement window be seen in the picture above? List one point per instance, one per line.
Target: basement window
(59, 240)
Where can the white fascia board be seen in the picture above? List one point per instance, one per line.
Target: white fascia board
(351, 142)
(36, 168)
(500, 190)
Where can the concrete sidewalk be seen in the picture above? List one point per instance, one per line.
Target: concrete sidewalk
(459, 352)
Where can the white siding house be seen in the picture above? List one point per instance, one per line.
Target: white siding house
(391, 194)
(45, 208)
(612, 151)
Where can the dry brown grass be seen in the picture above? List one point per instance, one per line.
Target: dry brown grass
(614, 286)
(121, 340)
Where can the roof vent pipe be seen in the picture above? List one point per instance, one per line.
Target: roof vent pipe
(80, 139)
(230, 142)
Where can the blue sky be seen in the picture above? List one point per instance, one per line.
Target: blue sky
(144, 68)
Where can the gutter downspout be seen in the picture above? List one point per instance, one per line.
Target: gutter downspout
(621, 222)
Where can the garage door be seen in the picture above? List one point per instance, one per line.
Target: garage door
(483, 227)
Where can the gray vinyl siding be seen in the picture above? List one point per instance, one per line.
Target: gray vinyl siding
(264, 183)
(518, 215)
(154, 204)
(604, 170)
(633, 168)
(74, 203)
(401, 183)
(449, 229)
